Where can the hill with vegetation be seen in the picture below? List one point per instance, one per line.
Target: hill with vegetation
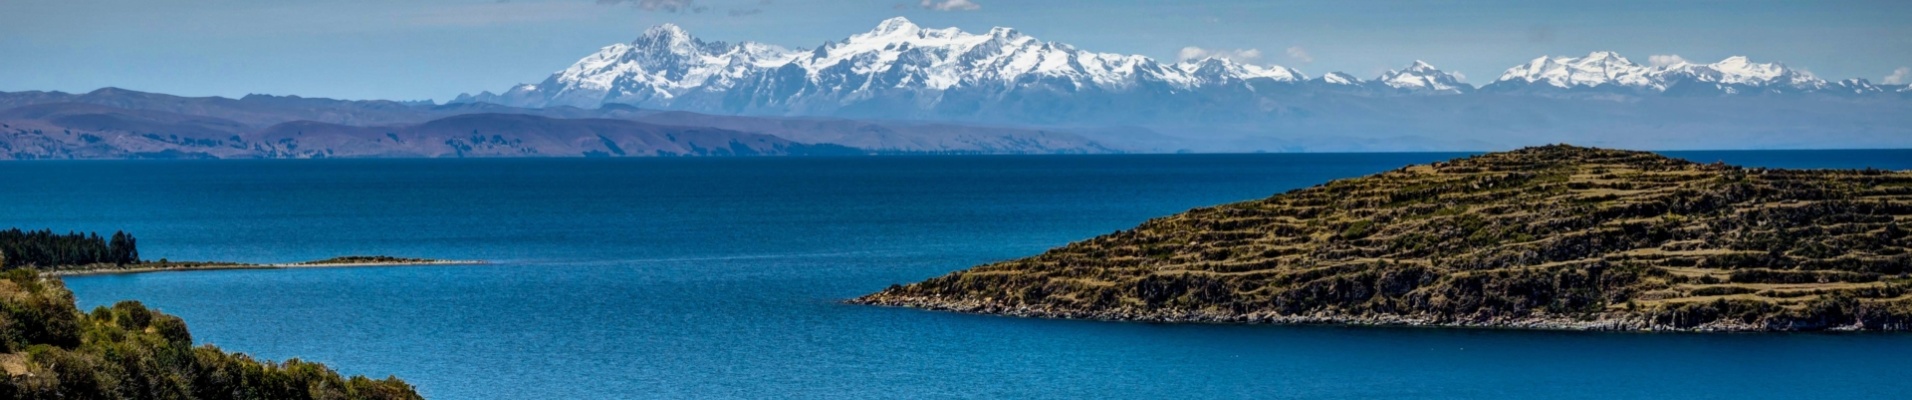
(1555, 237)
(50, 350)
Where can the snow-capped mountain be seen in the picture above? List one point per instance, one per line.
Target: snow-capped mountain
(1338, 78)
(1220, 71)
(1422, 77)
(668, 68)
(662, 64)
(1598, 69)
(1609, 72)
(903, 71)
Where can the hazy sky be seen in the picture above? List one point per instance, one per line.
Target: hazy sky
(435, 49)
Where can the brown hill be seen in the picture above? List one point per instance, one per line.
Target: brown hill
(63, 125)
(1548, 237)
(76, 130)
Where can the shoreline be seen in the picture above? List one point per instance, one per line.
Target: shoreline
(1609, 322)
(236, 266)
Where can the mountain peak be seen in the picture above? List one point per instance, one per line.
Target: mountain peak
(1340, 78)
(896, 24)
(666, 30)
(1605, 55)
(1423, 77)
(666, 36)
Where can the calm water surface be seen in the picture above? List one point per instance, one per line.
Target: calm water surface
(717, 278)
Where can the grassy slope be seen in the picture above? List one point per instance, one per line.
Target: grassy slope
(1547, 237)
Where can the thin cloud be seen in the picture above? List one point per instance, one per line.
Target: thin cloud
(1300, 54)
(1192, 53)
(1540, 34)
(670, 6)
(499, 13)
(1661, 60)
(739, 12)
(1899, 76)
(951, 5)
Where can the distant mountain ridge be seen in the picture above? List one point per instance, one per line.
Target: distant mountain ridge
(119, 123)
(85, 131)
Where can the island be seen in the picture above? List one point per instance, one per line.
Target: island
(1552, 237)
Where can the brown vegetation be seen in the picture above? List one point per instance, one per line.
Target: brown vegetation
(1551, 237)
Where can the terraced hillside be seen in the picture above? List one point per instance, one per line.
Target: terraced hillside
(1557, 237)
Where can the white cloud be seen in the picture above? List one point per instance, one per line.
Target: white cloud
(1300, 54)
(951, 5)
(1661, 60)
(1192, 53)
(1899, 76)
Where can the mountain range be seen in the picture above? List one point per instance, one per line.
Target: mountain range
(903, 88)
(667, 67)
(118, 123)
(902, 71)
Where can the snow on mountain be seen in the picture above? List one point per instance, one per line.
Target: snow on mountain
(1596, 69)
(1856, 86)
(1212, 72)
(666, 66)
(1421, 77)
(1339, 78)
(1603, 70)
(901, 70)
(663, 63)
(900, 54)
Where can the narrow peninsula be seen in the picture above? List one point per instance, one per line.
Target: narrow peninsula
(74, 253)
(1554, 237)
(49, 349)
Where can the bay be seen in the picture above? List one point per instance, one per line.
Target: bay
(721, 278)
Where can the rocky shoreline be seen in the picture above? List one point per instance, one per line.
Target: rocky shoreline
(1607, 322)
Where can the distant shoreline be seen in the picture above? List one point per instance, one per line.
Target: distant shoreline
(177, 267)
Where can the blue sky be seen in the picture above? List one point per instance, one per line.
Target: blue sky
(435, 49)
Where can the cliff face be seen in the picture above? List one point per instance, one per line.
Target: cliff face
(1546, 237)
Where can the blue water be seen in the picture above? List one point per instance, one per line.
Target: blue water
(720, 278)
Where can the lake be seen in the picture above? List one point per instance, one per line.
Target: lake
(721, 278)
